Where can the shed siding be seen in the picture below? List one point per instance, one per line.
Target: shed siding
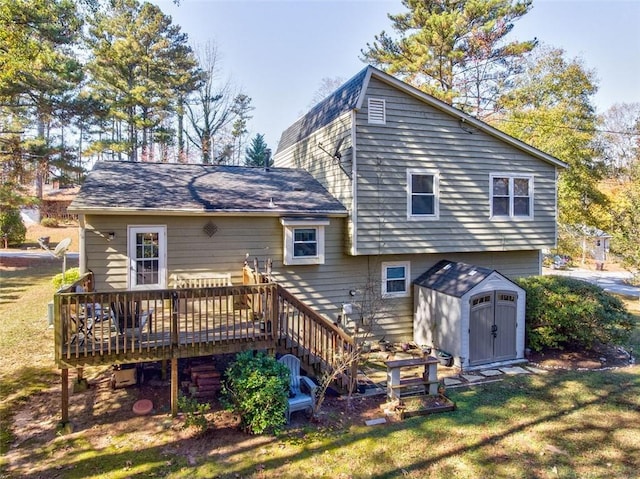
(419, 136)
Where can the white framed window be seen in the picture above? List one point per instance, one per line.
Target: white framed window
(395, 279)
(377, 111)
(422, 194)
(147, 252)
(511, 196)
(303, 240)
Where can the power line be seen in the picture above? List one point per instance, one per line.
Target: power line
(565, 127)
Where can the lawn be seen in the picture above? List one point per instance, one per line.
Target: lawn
(560, 424)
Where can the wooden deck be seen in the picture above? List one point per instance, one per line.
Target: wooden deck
(127, 327)
(139, 326)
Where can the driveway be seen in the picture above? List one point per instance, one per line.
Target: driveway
(612, 281)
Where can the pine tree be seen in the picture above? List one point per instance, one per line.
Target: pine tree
(454, 50)
(258, 154)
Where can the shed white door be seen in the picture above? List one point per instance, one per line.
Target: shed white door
(492, 327)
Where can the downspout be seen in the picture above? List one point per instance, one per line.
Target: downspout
(82, 253)
(354, 186)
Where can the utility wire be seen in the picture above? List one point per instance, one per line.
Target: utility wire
(565, 127)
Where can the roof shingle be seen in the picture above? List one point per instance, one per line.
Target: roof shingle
(130, 186)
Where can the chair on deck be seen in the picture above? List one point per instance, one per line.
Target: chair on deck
(127, 316)
(298, 400)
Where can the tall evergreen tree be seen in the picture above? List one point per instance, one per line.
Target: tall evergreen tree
(258, 153)
(241, 108)
(142, 67)
(455, 50)
(39, 73)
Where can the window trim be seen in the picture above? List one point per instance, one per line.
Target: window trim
(407, 279)
(380, 106)
(290, 225)
(511, 177)
(132, 231)
(436, 194)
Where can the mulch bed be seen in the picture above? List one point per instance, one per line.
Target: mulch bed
(600, 357)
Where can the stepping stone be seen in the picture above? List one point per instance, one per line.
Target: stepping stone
(472, 378)
(515, 370)
(451, 381)
(537, 370)
(375, 422)
(491, 373)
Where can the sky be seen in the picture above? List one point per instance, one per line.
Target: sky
(278, 52)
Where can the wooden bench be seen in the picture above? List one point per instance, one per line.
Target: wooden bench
(427, 381)
(200, 280)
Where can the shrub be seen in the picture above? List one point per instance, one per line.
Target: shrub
(194, 413)
(256, 389)
(561, 311)
(70, 276)
(49, 222)
(12, 226)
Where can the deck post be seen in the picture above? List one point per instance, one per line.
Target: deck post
(64, 403)
(174, 387)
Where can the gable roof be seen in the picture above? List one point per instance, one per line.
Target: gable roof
(116, 187)
(351, 95)
(453, 278)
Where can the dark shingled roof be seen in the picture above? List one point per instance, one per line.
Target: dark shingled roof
(342, 100)
(115, 186)
(453, 279)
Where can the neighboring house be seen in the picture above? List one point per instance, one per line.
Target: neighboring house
(373, 186)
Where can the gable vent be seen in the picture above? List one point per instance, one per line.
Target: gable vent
(377, 113)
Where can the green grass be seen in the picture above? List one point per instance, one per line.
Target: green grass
(553, 425)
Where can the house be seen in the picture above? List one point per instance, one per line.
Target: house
(423, 182)
(370, 189)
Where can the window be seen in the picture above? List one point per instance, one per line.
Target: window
(511, 196)
(395, 279)
(303, 240)
(147, 250)
(422, 194)
(377, 111)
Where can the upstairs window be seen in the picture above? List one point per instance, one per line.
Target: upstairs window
(422, 194)
(303, 241)
(395, 279)
(377, 111)
(511, 196)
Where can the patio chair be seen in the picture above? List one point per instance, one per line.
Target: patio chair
(299, 400)
(128, 317)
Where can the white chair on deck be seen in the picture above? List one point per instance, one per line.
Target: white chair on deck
(299, 400)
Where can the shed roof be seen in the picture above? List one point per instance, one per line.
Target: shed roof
(453, 278)
(115, 187)
(351, 96)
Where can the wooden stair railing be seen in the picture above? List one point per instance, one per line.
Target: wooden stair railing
(320, 344)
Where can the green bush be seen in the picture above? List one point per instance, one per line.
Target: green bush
(256, 389)
(49, 222)
(12, 226)
(563, 311)
(70, 276)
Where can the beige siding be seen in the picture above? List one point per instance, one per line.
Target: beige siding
(324, 287)
(334, 175)
(419, 136)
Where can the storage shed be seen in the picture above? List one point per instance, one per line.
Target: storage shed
(474, 313)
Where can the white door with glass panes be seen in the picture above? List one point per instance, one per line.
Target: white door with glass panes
(147, 257)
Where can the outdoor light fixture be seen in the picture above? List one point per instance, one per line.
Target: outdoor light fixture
(111, 235)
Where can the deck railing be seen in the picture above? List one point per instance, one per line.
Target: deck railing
(134, 326)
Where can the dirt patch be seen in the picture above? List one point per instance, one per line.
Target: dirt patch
(599, 357)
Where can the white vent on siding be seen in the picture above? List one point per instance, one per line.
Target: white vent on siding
(377, 113)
